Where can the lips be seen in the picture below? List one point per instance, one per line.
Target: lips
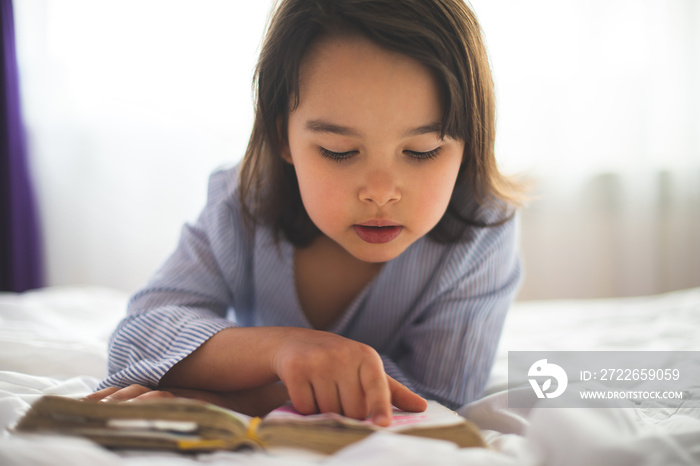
(376, 233)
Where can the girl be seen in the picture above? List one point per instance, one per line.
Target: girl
(363, 254)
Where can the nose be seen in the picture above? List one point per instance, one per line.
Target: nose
(380, 186)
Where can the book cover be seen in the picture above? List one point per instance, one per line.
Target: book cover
(190, 425)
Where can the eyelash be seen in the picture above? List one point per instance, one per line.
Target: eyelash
(423, 156)
(341, 156)
(335, 156)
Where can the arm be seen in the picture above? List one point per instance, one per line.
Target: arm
(254, 402)
(186, 301)
(321, 371)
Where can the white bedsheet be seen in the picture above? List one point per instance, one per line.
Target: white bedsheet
(53, 341)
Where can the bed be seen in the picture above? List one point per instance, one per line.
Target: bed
(53, 341)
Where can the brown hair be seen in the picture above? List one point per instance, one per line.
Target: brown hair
(443, 35)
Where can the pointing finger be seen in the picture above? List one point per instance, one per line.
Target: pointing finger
(377, 394)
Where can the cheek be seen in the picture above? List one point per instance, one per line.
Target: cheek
(435, 194)
(322, 196)
(434, 201)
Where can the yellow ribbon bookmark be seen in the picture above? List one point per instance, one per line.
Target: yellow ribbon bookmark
(253, 430)
(201, 444)
(216, 444)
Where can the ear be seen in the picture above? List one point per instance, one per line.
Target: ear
(285, 151)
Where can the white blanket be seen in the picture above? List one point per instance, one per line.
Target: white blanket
(53, 341)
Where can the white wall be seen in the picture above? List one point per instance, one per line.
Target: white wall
(614, 234)
(599, 102)
(129, 106)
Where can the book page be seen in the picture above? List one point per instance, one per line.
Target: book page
(435, 416)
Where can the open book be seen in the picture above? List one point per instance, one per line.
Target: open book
(183, 424)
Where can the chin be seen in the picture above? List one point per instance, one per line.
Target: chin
(377, 253)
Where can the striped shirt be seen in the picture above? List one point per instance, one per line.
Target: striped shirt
(434, 313)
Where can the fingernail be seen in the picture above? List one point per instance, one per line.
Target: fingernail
(381, 419)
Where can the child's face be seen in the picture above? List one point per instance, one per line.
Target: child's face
(373, 173)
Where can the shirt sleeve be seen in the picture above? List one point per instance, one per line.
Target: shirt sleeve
(448, 351)
(187, 300)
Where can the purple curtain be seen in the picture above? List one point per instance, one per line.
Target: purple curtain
(20, 246)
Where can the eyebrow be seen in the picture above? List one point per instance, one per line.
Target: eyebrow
(321, 126)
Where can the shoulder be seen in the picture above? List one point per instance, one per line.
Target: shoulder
(222, 217)
(492, 230)
(486, 256)
(468, 212)
(223, 185)
(223, 193)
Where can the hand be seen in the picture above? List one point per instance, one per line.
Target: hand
(256, 401)
(324, 372)
(130, 393)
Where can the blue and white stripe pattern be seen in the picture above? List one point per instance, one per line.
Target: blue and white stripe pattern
(434, 313)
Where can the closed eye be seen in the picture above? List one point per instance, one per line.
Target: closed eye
(422, 156)
(416, 155)
(336, 156)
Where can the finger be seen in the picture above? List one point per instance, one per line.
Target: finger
(327, 397)
(98, 395)
(377, 395)
(132, 391)
(152, 395)
(302, 397)
(353, 402)
(405, 399)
